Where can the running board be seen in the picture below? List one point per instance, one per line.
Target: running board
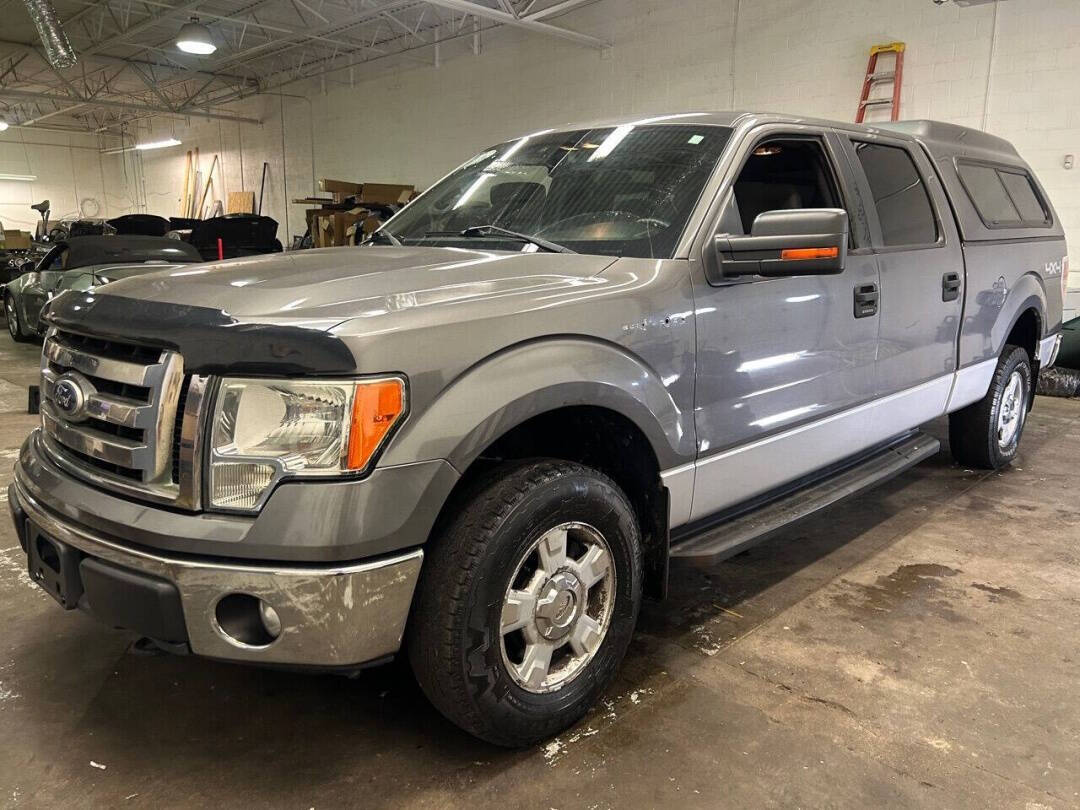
(721, 540)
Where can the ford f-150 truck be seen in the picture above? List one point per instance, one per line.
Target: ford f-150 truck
(481, 437)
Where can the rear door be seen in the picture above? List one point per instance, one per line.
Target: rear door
(921, 264)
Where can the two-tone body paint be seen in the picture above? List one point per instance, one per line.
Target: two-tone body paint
(739, 388)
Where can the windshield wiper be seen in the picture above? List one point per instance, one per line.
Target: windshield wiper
(543, 244)
(385, 237)
(487, 230)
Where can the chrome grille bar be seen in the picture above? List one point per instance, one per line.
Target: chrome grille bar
(118, 410)
(105, 367)
(94, 443)
(123, 432)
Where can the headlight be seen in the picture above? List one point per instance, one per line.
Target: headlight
(265, 430)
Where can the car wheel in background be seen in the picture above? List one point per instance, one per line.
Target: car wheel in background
(14, 323)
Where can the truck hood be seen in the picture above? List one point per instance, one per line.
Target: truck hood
(322, 288)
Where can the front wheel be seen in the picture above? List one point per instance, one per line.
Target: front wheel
(14, 324)
(527, 601)
(987, 433)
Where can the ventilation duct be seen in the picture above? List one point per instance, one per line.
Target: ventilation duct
(58, 49)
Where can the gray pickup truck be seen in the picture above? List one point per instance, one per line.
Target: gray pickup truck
(482, 436)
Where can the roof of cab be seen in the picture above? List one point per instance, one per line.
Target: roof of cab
(938, 136)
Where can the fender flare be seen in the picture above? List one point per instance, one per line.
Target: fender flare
(528, 379)
(1027, 294)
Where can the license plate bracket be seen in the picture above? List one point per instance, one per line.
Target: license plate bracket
(54, 566)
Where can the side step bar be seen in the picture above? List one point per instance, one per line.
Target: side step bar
(727, 538)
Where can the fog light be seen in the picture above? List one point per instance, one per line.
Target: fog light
(247, 620)
(270, 620)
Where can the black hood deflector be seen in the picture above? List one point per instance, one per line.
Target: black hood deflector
(210, 340)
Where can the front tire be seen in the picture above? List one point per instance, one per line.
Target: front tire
(986, 434)
(527, 601)
(14, 323)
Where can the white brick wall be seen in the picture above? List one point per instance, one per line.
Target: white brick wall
(411, 121)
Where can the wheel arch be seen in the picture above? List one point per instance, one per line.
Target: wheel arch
(571, 399)
(1025, 302)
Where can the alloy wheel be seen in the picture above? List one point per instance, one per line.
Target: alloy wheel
(558, 607)
(1011, 411)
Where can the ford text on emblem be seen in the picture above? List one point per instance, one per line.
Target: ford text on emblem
(69, 397)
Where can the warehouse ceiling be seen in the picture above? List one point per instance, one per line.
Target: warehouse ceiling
(128, 66)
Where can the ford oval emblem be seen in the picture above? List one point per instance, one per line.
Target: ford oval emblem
(69, 397)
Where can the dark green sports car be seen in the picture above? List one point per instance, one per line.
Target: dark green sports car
(81, 263)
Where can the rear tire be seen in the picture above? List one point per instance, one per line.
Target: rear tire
(14, 322)
(986, 434)
(527, 601)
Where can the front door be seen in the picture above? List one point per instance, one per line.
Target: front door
(785, 366)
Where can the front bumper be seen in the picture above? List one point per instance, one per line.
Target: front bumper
(331, 616)
(315, 521)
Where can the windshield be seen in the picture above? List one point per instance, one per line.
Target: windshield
(617, 191)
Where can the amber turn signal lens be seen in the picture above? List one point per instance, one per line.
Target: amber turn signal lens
(801, 254)
(376, 407)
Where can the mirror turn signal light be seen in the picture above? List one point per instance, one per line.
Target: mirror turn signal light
(376, 408)
(802, 254)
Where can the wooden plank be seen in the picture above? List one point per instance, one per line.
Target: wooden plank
(240, 202)
(209, 179)
(187, 185)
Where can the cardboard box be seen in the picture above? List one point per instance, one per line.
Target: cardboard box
(382, 193)
(386, 193)
(16, 240)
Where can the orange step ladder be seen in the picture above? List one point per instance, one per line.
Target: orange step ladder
(873, 78)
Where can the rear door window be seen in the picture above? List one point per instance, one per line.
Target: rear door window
(1003, 197)
(900, 197)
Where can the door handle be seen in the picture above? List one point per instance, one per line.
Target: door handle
(866, 300)
(950, 286)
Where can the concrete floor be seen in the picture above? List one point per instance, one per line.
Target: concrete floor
(917, 646)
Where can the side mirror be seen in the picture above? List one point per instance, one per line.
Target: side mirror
(795, 242)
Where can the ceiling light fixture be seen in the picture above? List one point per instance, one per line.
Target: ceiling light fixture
(3, 125)
(194, 37)
(22, 178)
(142, 147)
(157, 144)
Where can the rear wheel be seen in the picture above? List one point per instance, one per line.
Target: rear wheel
(527, 601)
(987, 433)
(14, 323)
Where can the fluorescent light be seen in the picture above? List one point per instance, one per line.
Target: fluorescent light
(614, 138)
(471, 190)
(22, 178)
(157, 144)
(194, 37)
(3, 125)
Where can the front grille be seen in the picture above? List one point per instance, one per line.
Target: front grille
(117, 418)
